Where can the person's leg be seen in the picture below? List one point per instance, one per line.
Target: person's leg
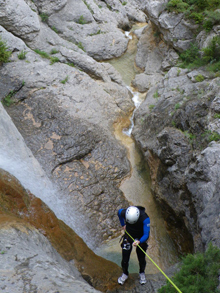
(126, 252)
(142, 257)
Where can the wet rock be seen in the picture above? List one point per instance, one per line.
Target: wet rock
(24, 248)
(78, 153)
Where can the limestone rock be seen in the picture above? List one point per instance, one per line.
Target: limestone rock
(29, 262)
(19, 19)
(182, 116)
(175, 29)
(23, 211)
(203, 184)
(79, 153)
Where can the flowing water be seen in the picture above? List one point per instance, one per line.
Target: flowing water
(136, 188)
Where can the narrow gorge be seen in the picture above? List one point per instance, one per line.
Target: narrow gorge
(80, 73)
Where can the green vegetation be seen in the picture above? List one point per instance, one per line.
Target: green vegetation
(22, 55)
(47, 56)
(156, 95)
(54, 51)
(190, 136)
(81, 20)
(64, 80)
(151, 107)
(80, 46)
(88, 6)
(198, 273)
(42, 53)
(199, 78)
(217, 116)
(2, 252)
(4, 52)
(54, 29)
(54, 60)
(7, 101)
(203, 12)
(211, 135)
(177, 106)
(44, 17)
(124, 3)
(210, 56)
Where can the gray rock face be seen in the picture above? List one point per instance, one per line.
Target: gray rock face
(171, 135)
(29, 263)
(78, 153)
(203, 184)
(19, 19)
(176, 31)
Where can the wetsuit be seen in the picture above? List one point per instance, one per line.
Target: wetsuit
(139, 231)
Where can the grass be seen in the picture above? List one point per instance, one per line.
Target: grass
(156, 95)
(22, 55)
(199, 78)
(47, 56)
(151, 107)
(217, 116)
(81, 20)
(80, 46)
(5, 54)
(7, 101)
(177, 106)
(44, 17)
(64, 80)
(54, 51)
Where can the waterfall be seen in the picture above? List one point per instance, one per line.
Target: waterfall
(17, 159)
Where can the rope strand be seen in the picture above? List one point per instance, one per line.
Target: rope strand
(155, 265)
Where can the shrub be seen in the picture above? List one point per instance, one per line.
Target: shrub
(190, 55)
(177, 6)
(4, 52)
(22, 55)
(54, 51)
(198, 273)
(201, 11)
(212, 51)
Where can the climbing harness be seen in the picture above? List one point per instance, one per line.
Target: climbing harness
(155, 264)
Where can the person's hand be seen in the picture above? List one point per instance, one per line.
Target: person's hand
(123, 230)
(136, 243)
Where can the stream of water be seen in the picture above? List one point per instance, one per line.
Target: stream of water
(136, 188)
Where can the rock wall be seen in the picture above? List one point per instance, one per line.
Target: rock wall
(36, 246)
(174, 137)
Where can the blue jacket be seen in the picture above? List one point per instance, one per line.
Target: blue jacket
(141, 229)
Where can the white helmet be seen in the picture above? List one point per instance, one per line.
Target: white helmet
(132, 215)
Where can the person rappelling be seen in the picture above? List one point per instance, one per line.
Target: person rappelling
(136, 225)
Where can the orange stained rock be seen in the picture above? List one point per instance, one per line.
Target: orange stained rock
(19, 206)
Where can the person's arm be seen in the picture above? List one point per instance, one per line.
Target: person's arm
(121, 214)
(146, 230)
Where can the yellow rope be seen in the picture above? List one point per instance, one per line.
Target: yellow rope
(155, 264)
